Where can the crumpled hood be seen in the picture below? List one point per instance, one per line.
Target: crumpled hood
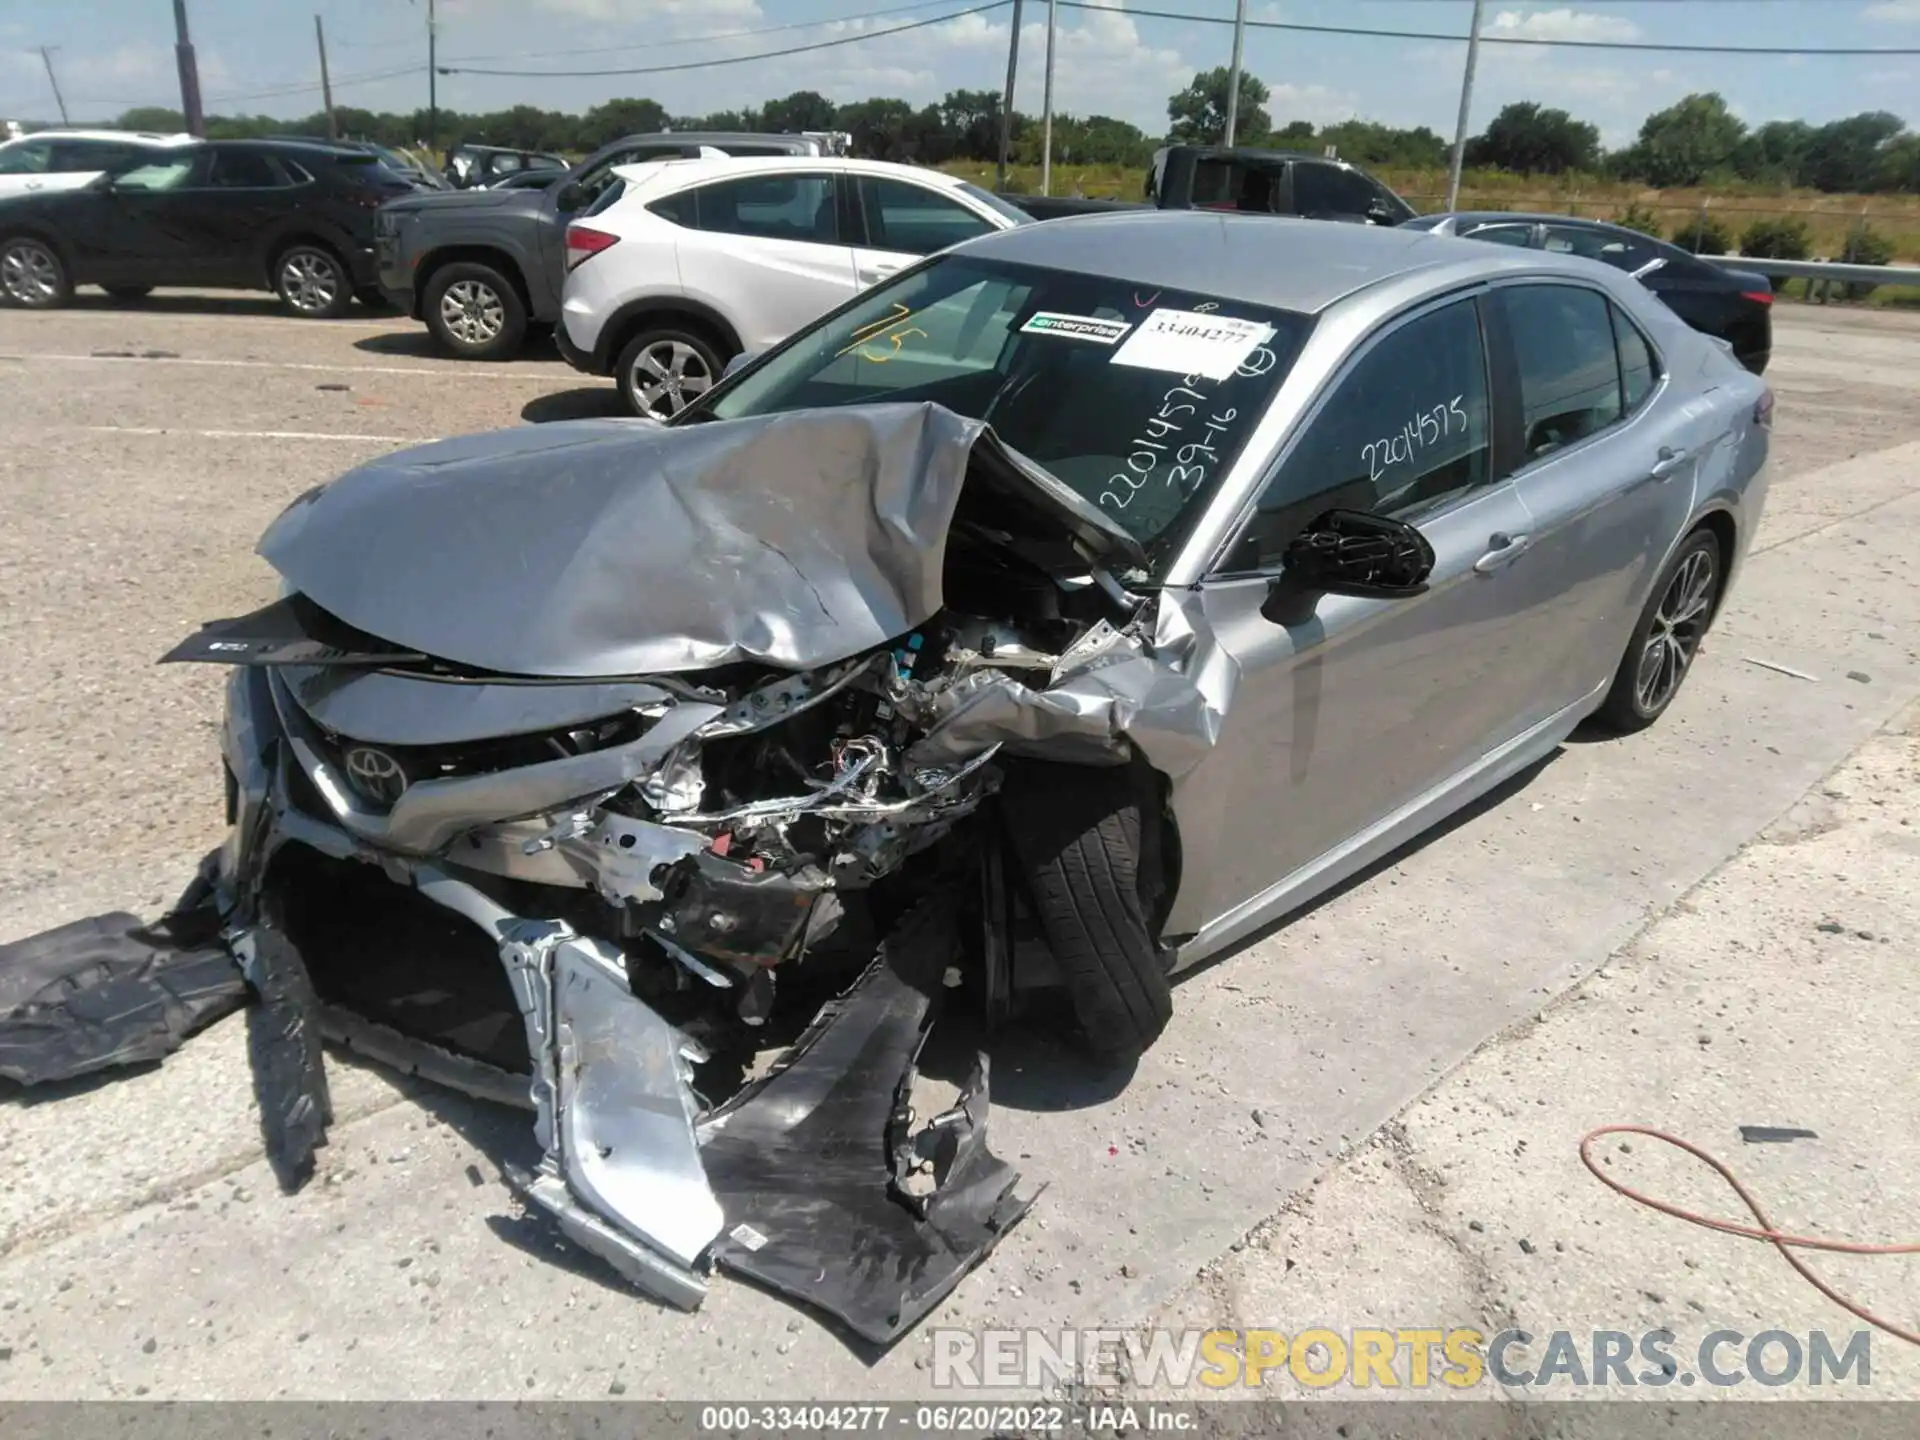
(616, 547)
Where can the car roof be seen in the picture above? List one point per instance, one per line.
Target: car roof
(1278, 261)
(666, 176)
(145, 137)
(1524, 217)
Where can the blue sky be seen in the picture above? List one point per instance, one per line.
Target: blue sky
(114, 53)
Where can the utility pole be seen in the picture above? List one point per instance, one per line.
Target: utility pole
(1046, 105)
(1466, 105)
(1006, 100)
(433, 87)
(1233, 73)
(46, 58)
(196, 123)
(326, 85)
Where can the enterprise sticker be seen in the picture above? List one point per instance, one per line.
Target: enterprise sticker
(1075, 327)
(1185, 342)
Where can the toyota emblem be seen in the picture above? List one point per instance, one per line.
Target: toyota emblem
(376, 775)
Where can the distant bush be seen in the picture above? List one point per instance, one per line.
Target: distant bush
(1639, 217)
(1865, 246)
(1703, 235)
(1776, 239)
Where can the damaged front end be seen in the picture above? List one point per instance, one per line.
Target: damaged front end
(639, 776)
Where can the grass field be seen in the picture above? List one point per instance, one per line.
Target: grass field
(1828, 217)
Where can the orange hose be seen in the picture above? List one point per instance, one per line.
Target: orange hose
(1779, 1239)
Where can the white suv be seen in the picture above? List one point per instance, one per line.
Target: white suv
(683, 264)
(68, 159)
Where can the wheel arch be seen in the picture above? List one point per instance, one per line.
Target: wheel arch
(627, 321)
(1722, 525)
(27, 230)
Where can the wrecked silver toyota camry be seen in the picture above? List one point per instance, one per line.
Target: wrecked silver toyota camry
(571, 757)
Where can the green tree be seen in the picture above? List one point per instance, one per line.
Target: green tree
(879, 128)
(1845, 156)
(1899, 167)
(1367, 143)
(1294, 135)
(1530, 139)
(620, 117)
(1680, 144)
(152, 117)
(1776, 153)
(1199, 112)
(802, 110)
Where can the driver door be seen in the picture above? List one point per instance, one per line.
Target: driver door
(1349, 709)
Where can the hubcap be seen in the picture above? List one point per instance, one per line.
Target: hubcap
(668, 377)
(472, 312)
(1674, 638)
(309, 281)
(30, 274)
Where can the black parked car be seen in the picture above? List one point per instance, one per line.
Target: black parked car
(1733, 305)
(1261, 182)
(280, 215)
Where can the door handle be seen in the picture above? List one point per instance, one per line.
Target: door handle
(1503, 550)
(1669, 463)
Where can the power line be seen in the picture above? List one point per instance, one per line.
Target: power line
(1495, 39)
(741, 59)
(704, 39)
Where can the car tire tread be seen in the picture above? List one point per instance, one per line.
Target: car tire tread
(1076, 832)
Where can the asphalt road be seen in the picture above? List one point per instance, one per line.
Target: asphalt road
(144, 1249)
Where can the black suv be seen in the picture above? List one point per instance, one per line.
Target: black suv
(285, 216)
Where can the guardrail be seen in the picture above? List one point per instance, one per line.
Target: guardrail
(1834, 270)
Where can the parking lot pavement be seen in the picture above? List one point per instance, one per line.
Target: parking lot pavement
(146, 1250)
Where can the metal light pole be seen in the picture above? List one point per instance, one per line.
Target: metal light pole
(1233, 73)
(1046, 105)
(1466, 105)
(326, 85)
(46, 58)
(1006, 100)
(196, 123)
(433, 85)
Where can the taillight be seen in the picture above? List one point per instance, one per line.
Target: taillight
(1763, 409)
(1759, 297)
(584, 242)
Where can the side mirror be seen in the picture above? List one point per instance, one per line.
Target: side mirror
(740, 362)
(103, 182)
(1350, 552)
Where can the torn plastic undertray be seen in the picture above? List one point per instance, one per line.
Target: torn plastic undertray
(111, 991)
(810, 1166)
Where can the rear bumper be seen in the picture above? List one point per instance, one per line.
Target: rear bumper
(576, 357)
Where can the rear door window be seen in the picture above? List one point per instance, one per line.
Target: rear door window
(1611, 247)
(914, 219)
(796, 207)
(244, 170)
(1563, 341)
(1639, 366)
(1506, 233)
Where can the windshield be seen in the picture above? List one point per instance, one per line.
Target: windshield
(1137, 397)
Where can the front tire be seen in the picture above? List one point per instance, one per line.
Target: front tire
(312, 283)
(1077, 831)
(32, 275)
(1668, 636)
(474, 311)
(663, 370)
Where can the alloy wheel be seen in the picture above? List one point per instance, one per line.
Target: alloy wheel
(29, 273)
(669, 376)
(1673, 639)
(310, 281)
(472, 312)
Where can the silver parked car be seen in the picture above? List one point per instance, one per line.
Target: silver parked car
(1052, 615)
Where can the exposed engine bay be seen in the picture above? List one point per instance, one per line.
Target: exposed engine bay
(584, 770)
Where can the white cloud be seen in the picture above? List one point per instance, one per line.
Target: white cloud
(1562, 24)
(1894, 12)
